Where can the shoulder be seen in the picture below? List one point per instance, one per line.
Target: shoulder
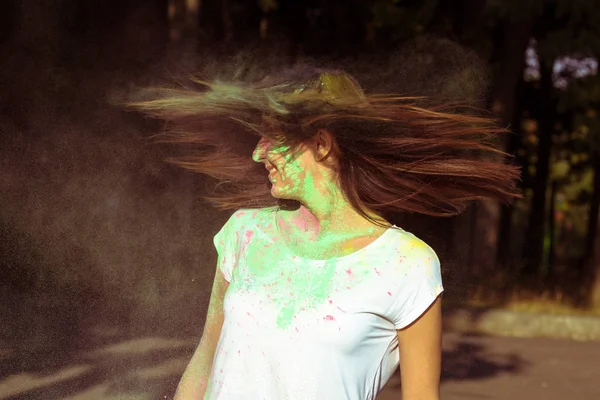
(415, 279)
(253, 213)
(409, 250)
(246, 217)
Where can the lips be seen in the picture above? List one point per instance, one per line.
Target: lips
(271, 170)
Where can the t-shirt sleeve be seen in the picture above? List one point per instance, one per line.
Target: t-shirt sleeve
(225, 242)
(420, 285)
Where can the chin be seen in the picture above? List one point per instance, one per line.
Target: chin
(275, 193)
(279, 196)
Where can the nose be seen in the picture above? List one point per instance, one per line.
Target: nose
(260, 151)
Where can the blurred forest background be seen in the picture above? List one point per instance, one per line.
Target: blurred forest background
(97, 232)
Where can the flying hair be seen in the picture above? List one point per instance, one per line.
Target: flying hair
(393, 155)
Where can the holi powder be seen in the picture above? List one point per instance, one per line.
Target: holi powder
(291, 284)
(295, 286)
(310, 292)
(282, 296)
(291, 291)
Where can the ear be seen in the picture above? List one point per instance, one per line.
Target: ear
(323, 144)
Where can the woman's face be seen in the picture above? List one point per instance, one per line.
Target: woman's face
(292, 177)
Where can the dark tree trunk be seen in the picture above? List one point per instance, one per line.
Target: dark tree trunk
(511, 42)
(328, 28)
(468, 20)
(594, 298)
(592, 227)
(509, 58)
(214, 21)
(292, 21)
(349, 20)
(546, 116)
(551, 271)
(504, 248)
(483, 222)
(227, 22)
(460, 278)
(590, 262)
(183, 20)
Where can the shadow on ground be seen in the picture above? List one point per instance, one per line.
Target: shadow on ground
(125, 368)
(464, 359)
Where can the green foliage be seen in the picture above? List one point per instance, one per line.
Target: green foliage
(582, 97)
(561, 169)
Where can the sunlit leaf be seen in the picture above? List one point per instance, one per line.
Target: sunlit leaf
(560, 169)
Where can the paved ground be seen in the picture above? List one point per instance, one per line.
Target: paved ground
(149, 368)
(516, 369)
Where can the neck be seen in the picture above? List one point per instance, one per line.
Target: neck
(325, 211)
(326, 220)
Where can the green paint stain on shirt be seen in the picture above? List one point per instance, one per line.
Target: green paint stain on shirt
(293, 285)
(304, 291)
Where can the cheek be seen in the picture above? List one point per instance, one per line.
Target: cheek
(294, 174)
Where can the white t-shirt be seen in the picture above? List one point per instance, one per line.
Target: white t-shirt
(300, 329)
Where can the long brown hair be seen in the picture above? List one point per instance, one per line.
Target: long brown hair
(393, 155)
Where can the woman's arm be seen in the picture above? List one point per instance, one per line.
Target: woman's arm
(194, 382)
(420, 346)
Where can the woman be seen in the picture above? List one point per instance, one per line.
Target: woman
(317, 294)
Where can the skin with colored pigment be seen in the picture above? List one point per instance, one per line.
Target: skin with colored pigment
(325, 217)
(324, 227)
